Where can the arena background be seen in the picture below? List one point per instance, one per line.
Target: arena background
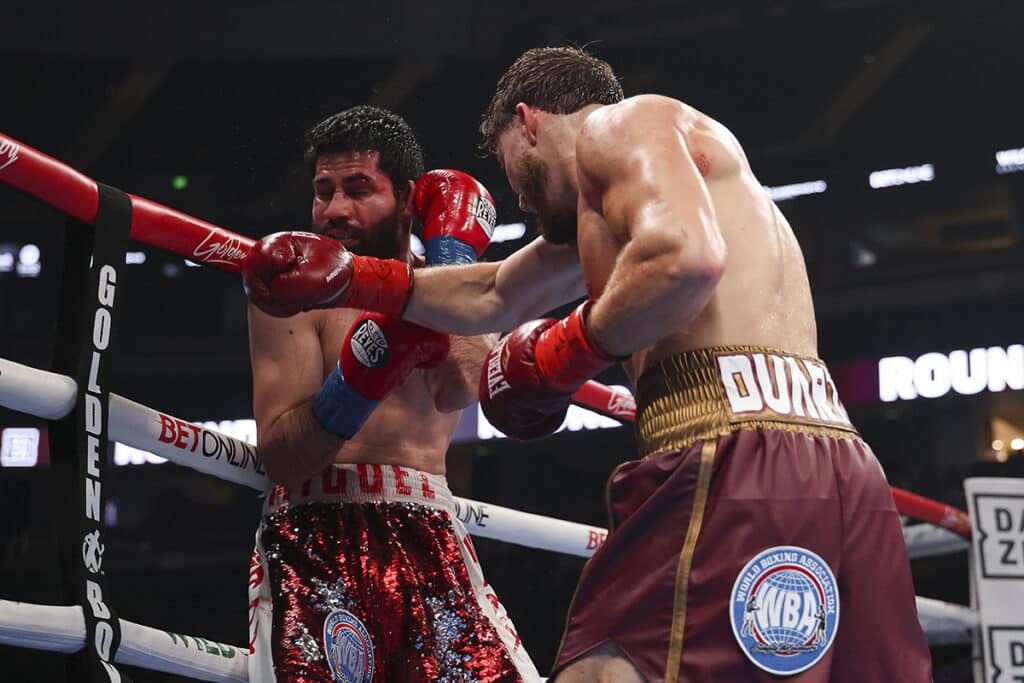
(202, 105)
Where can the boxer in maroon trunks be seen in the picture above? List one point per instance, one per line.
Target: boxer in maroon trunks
(720, 482)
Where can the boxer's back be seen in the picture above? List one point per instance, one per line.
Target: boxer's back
(763, 298)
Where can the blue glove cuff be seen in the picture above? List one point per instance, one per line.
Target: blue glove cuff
(339, 408)
(445, 250)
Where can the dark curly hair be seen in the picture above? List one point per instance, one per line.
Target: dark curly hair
(369, 129)
(559, 80)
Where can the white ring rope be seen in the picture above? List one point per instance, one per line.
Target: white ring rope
(62, 629)
(945, 623)
(51, 396)
(925, 540)
(527, 529)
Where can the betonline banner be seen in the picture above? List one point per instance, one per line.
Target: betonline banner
(28, 447)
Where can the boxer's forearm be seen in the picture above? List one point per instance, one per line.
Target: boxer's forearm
(496, 297)
(295, 447)
(456, 299)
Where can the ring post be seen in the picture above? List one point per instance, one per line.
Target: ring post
(85, 348)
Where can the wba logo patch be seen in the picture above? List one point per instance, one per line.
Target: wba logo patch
(784, 609)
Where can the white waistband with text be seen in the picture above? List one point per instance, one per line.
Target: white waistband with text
(766, 386)
(366, 483)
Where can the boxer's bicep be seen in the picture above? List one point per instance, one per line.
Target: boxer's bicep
(635, 170)
(638, 173)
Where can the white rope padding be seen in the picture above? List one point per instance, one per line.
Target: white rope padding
(36, 392)
(925, 540)
(62, 629)
(52, 396)
(527, 529)
(945, 623)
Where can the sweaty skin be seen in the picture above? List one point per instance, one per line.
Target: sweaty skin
(676, 239)
(291, 357)
(412, 427)
(682, 249)
(679, 243)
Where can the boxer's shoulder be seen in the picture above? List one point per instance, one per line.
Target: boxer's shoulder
(634, 114)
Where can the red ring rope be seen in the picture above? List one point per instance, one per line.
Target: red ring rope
(75, 194)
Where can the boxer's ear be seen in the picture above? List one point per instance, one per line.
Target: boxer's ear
(527, 115)
(406, 207)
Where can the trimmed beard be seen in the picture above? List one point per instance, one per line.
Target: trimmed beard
(380, 240)
(555, 225)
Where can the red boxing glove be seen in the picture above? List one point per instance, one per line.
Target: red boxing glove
(378, 354)
(530, 377)
(458, 216)
(289, 272)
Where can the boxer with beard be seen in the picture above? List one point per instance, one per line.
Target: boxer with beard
(362, 572)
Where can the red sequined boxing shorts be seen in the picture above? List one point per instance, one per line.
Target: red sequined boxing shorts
(364, 574)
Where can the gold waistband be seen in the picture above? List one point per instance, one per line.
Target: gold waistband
(705, 393)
